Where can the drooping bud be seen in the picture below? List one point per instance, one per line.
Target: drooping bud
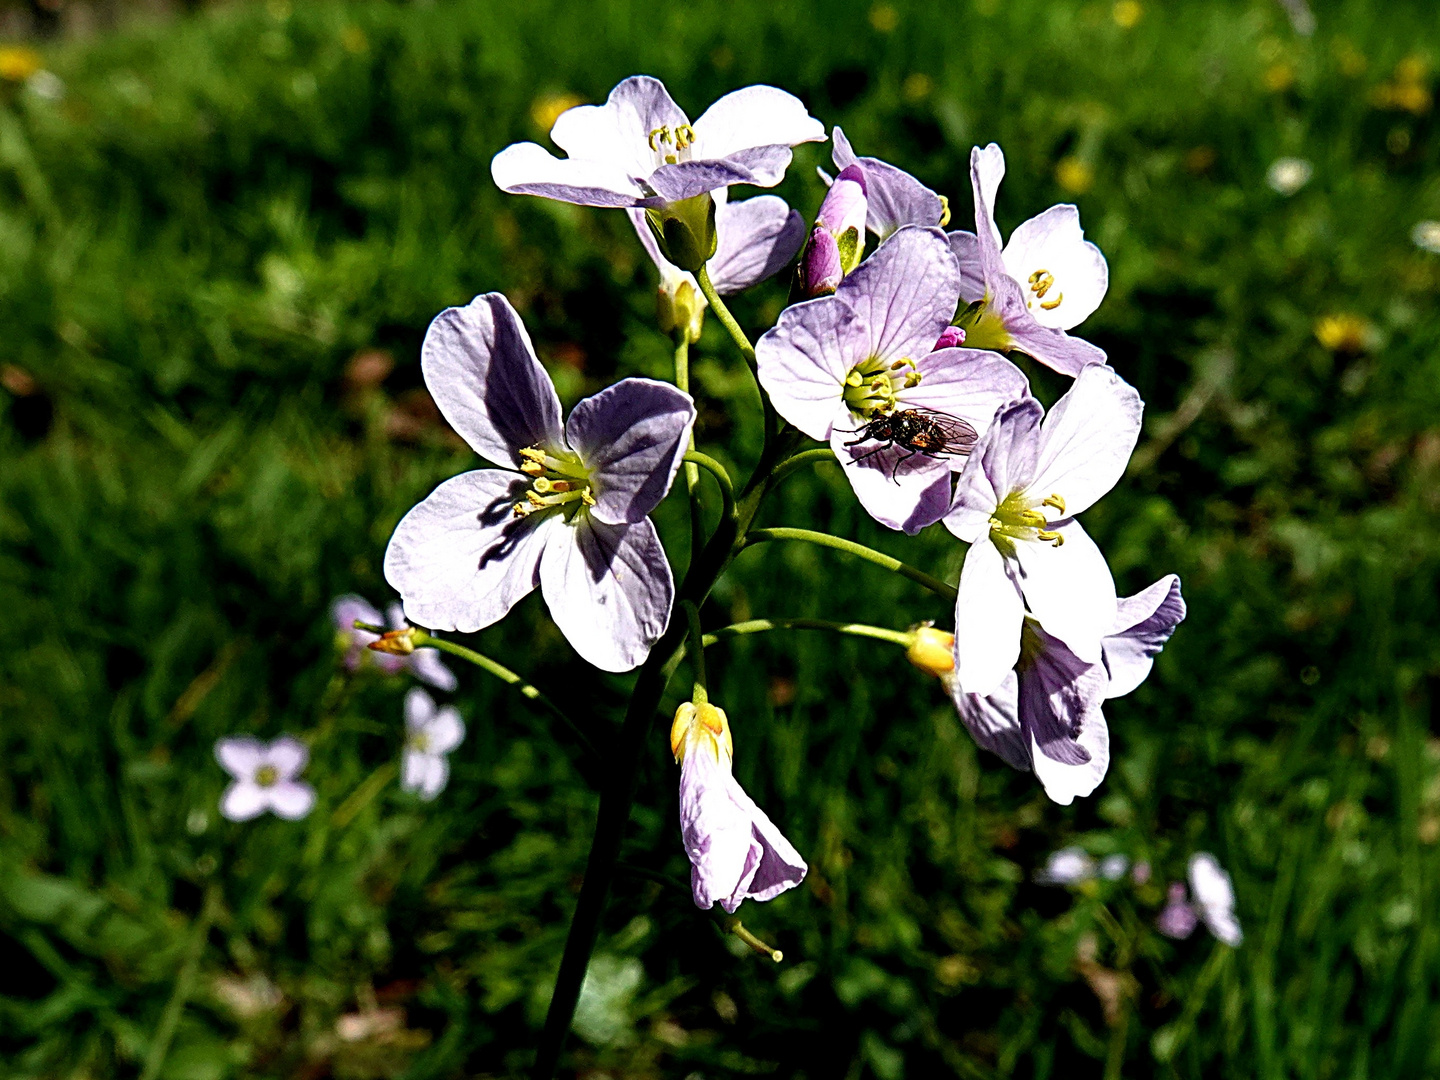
(685, 231)
(680, 306)
(397, 642)
(821, 269)
(931, 650)
(950, 338)
(700, 721)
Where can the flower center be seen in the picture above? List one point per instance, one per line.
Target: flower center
(419, 742)
(872, 386)
(671, 145)
(1020, 518)
(557, 482)
(1041, 282)
(984, 329)
(267, 775)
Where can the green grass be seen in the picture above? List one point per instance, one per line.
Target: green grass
(220, 213)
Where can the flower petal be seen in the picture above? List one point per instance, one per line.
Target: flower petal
(446, 731)
(1143, 623)
(414, 766)
(1060, 709)
(993, 721)
(1001, 463)
(988, 615)
(1086, 440)
(244, 800)
(609, 589)
(803, 361)
(966, 246)
(754, 240)
(617, 133)
(287, 755)
(426, 665)
(895, 197)
(1064, 783)
(291, 799)
(481, 369)
(349, 609)
(899, 488)
(240, 755)
(1055, 349)
(987, 169)
(1053, 244)
(461, 559)
(419, 709)
(527, 168)
(756, 117)
(631, 436)
(686, 179)
(905, 293)
(1068, 588)
(1215, 898)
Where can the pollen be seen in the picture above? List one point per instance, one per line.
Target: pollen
(1056, 501)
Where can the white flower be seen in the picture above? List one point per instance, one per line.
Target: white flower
(264, 778)
(1068, 866)
(1214, 898)
(1426, 235)
(431, 733)
(1287, 175)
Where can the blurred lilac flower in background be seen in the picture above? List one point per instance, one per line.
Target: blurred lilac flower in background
(566, 512)
(424, 664)
(1068, 866)
(430, 734)
(264, 778)
(1211, 900)
(736, 852)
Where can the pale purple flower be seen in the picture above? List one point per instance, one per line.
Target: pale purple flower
(1045, 281)
(640, 149)
(1113, 867)
(834, 364)
(1015, 505)
(735, 850)
(1068, 866)
(754, 240)
(1177, 919)
(430, 734)
(821, 267)
(424, 664)
(567, 511)
(264, 778)
(894, 198)
(1046, 716)
(1211, 900)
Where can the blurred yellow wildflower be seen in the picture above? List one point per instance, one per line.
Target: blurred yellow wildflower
(1279, 77)
(354, 39)
(1345, 333)
(1074, 175)
(1408, 90)
(1126, 13)
(884, 18)
(18, 63)
(546, 108)
(916, 88)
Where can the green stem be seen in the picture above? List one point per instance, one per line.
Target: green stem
(746, 350)
(692, 474)
(722, 478)
(184, 984)
(504, 674)
(797, 461)
(701, 693)
(935, 585)
(761, 626)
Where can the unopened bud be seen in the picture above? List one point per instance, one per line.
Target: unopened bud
(692, 720)
(932, 651)
(398, 642)
(951, 337)
(685, 231)
(680, 306)
(845, 204)
(820, 271)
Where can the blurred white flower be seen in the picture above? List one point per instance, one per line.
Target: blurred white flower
(264, 778)
(1068, 866)
(1214, 898)
(46, 84)
(1426, 234)
(431, 733)
(1113, 867)
(1287, 175)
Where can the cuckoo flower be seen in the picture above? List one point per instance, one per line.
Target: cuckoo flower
(430, 734)
(640, 149)
(264, 778)
(835, 364)
(754, 240)
(735, 851)
(894, 198)
(1045, 281)
(424, 664)
(1015, 504)
(1211, 901)
(566, 512)
(1046, 715)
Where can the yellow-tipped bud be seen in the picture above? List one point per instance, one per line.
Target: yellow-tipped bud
(700, 721)
(398, 642)
(679, 307)
(932, 651)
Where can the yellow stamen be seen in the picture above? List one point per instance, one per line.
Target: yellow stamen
(1051, 305)
(1051, 537)
(1040, 283)
(1056, 501)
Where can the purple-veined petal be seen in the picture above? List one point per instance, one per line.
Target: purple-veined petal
(1143, 623)
(1068, 588)
(894, 197)
(844, 204)
(756, 118)
(803, 361)
(446, 731)
(1060, 709)
(617, 133)
(527, 168)
(461, 559)
(1087, 438)
(482, 371)
(1215, 898)
(419, 709)
(291, 799)
(899, 488)
(968, 384)
(993, 720)
(1071, 271)
(821, 269)
(1065, 783)
(608, 588)
(244, 800)
(1002, 462)
(647, 241)
(988, 615)
(240, 755)
(755, 239)
(631, 436)
(1055, 349)
(287, 755)
(686, 179)
(426, 665)
(905, 293)
(987, 169)
(966, 246)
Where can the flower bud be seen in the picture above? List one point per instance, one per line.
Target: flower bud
(397, 642)
(951, 337)
(685, 231)
(820, 271)
(932, 651)
(703, 721)
(680, 306)
(842, 214)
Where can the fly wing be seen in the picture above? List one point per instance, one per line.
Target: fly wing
(956, 435)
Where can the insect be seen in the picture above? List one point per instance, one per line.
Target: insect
(917, 431)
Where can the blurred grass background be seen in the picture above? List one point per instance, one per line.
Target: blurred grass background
(221, 239)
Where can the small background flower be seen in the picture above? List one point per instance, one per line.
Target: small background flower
(431, 732)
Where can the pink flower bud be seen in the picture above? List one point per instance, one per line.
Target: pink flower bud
(820, 269)
(845, 204)
(951, 337)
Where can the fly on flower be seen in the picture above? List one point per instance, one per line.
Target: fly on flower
(917, 431)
